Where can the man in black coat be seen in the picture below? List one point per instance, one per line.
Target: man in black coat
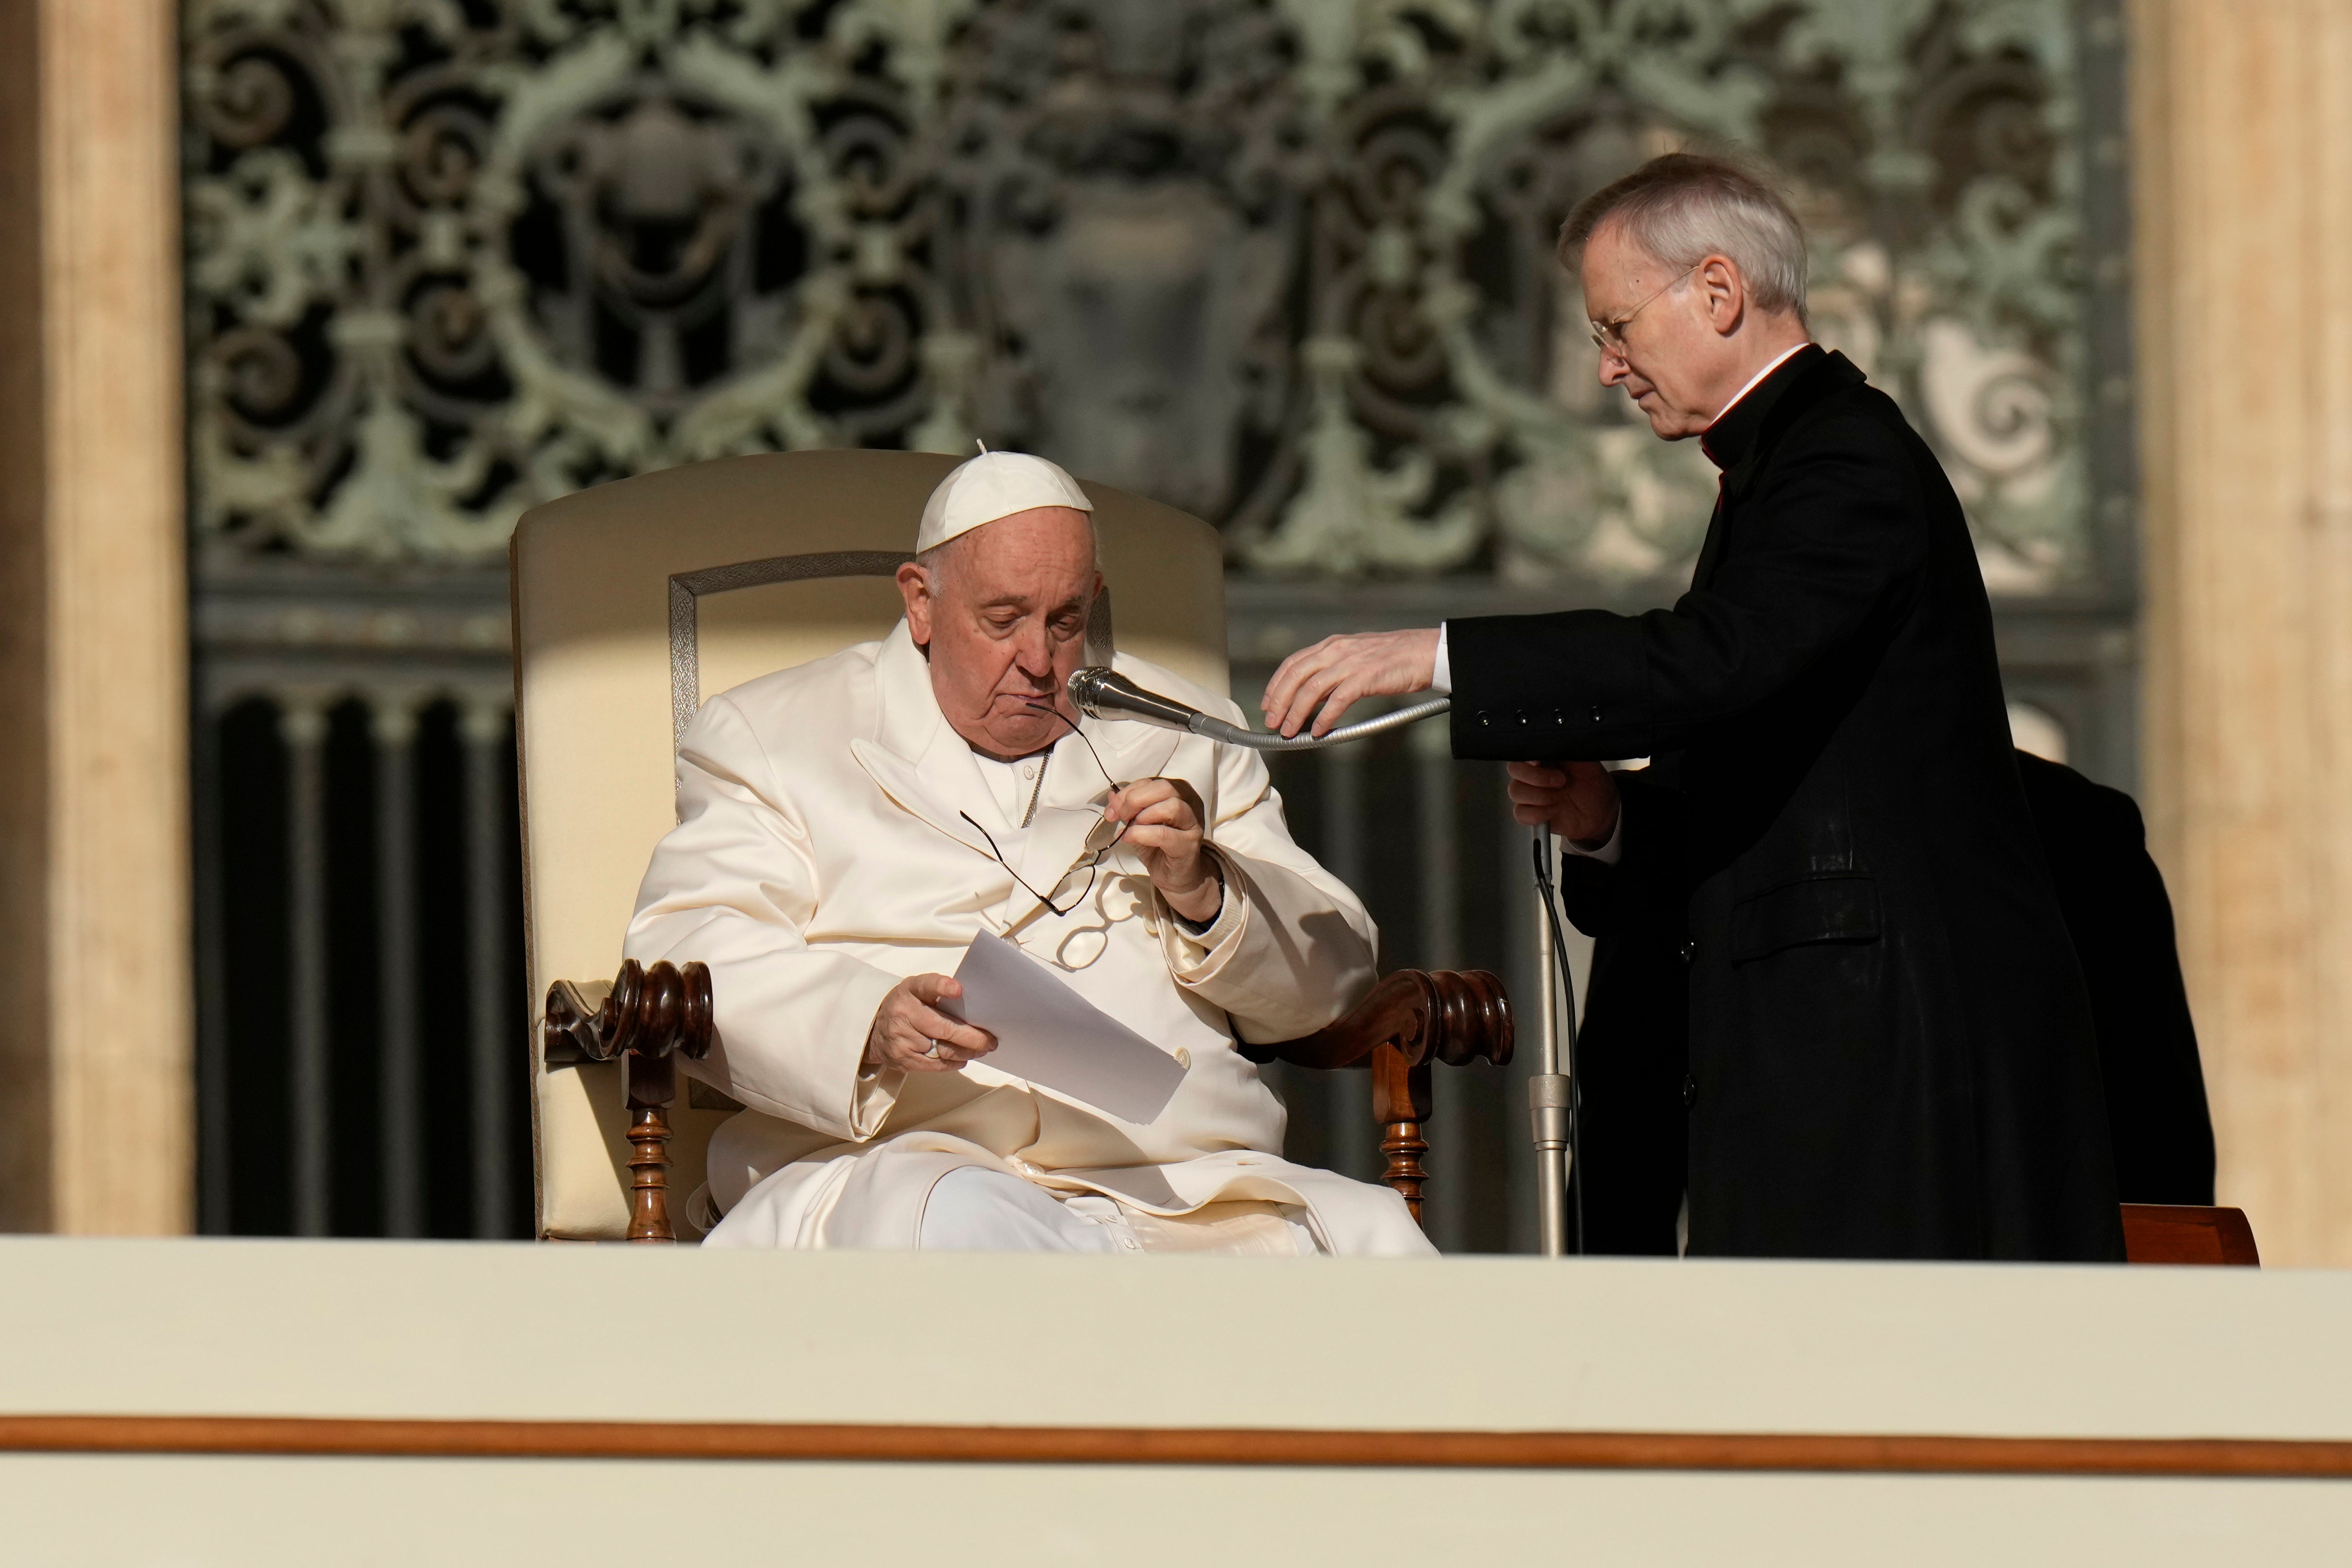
(1890, 1045)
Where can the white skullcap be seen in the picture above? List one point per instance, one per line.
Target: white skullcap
(992, 485)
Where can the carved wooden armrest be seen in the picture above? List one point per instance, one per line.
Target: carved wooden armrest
(1442, 1015)
(1412, 1018)
(648, 1018)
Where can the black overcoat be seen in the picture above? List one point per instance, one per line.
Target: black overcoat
(1890, 1051)
(1634, 1049)
(2120, 916)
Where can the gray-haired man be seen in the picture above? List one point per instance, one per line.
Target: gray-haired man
(1890, 1051)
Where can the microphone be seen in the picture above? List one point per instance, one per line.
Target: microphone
(1100, 692)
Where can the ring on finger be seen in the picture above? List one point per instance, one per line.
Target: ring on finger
(934, 1052)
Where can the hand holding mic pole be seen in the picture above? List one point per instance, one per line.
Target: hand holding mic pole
(1102, 693)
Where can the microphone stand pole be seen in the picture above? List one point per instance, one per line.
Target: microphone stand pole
(1548, 1088)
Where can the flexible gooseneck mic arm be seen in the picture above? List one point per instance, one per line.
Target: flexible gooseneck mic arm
(1101, 693)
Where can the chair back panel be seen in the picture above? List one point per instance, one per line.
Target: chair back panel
(751, 631)
(636, 599)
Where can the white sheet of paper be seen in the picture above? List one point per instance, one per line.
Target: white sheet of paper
(1050, 1035)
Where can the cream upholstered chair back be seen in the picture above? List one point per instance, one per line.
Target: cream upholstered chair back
(636, 600)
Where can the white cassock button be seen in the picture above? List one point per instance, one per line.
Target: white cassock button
(1028, 770)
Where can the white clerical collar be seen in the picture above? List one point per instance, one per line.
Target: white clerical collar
(1016, 784)
(1754, 381)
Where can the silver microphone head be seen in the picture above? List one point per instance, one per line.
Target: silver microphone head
(1102, 693)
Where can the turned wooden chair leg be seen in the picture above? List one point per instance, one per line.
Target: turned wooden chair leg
(652, 1086)
(1402, 1105)
(647, 1018)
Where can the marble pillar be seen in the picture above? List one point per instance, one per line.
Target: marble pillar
(2241, 161)
(95, 1002)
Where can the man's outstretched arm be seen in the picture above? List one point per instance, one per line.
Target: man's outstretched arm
(1832, 540)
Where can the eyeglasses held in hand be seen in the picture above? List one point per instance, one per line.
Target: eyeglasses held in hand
(1093, 861)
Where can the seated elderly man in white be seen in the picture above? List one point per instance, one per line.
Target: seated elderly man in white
(848, 827)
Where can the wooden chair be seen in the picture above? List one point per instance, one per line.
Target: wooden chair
(634, 600)
(2183, 1232)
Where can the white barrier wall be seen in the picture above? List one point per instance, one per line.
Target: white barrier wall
(457, 1332)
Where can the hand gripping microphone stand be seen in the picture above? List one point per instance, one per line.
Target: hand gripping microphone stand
(1102, 693)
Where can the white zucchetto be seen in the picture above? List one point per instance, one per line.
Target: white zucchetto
(992, 485)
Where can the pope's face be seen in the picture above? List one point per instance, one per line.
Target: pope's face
(1003, 619)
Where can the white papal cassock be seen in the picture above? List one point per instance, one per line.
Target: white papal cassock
(820, 858)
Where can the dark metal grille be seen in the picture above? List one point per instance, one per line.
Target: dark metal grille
(363, 956)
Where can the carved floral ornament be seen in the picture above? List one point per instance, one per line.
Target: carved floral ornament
(1283, 263)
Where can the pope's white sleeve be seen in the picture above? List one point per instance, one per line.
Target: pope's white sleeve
(1293, 947)
(733, 886)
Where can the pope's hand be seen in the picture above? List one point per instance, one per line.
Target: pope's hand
(1165, 817)
(1579, 799)
(1339, 671)
(907, 1028)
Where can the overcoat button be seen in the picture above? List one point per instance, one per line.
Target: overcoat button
(1522, 718)
(1689, 949)
(1594, 715)
(1690, 1091)
(1485, 719)
(1559, 720)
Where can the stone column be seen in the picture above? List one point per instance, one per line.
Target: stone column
(2241, 156)
(95, 1000)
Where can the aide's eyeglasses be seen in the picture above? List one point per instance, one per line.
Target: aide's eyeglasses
(1609, 336)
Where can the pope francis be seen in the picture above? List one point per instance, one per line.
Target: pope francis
(846, 828)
